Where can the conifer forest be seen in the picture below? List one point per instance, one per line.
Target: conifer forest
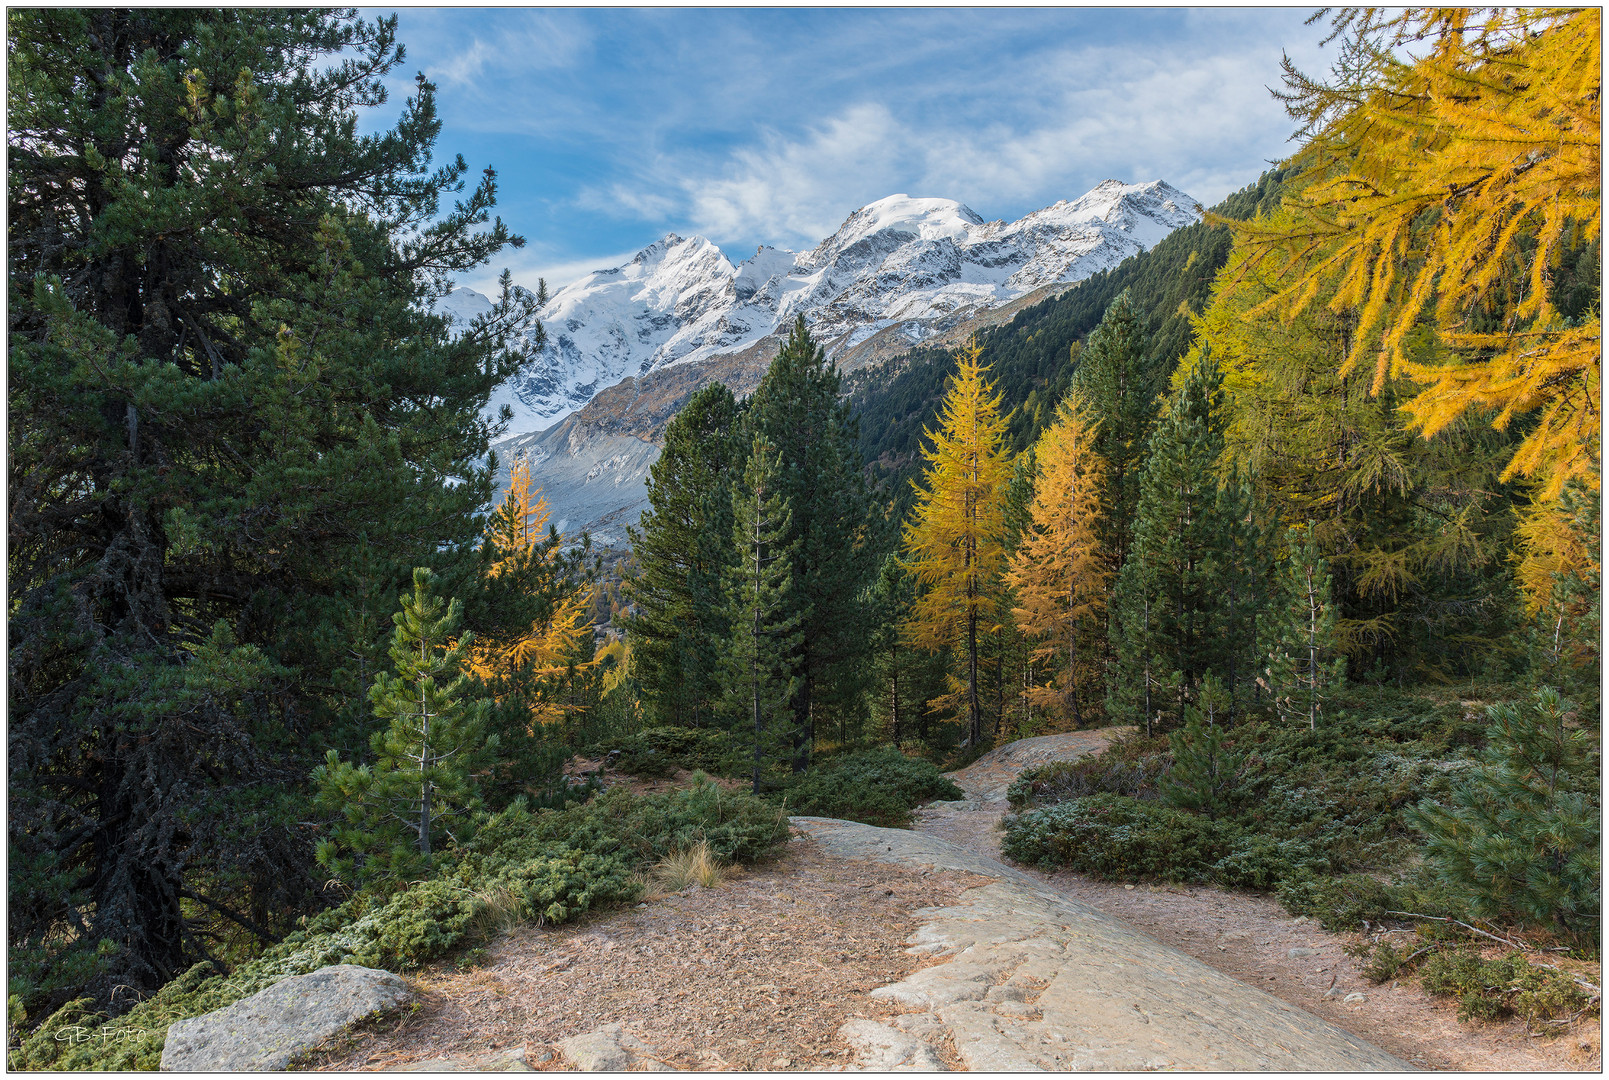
(1305, 500)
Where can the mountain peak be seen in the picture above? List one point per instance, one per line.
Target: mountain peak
(918, 263)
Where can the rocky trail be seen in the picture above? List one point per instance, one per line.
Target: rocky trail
(1250, 938)
(919, 950)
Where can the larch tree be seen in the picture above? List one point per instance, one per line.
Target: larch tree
(230, 403)
(1415, 531)
(523, 546)
(1058, 568)
(953, 539)
(764, 613)
(533, 654)
(1454, 160)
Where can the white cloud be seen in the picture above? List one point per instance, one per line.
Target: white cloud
(526, 266)
(1202, 120)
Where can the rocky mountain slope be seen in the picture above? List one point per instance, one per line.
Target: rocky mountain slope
(626, 346)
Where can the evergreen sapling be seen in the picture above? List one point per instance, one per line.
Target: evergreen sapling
(426, 758)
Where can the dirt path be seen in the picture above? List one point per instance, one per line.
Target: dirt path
(1250, 937)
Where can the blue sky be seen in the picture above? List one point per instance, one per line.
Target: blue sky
(610, 127)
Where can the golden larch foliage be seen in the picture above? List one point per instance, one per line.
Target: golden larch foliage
(954, 544)
(1446, 188)
(548, 648)
(1058, 568)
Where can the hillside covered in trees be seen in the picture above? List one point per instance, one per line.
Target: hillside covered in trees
(1308, 496)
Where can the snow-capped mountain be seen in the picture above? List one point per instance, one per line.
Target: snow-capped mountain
(899, 262)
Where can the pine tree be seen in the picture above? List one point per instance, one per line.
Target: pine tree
(954, 537)
(230, 401)
(1120, 389)
(398, 810)
(1520, 837)
(764, 613)
(1205, 777)
(1058, 569)
(680, 549)
(797, 410)
(1175, 611)
(1303, 662)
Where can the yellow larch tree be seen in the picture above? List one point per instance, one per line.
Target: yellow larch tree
(1449, 167)
(954, 540)
(1057, 569)
(523, 544)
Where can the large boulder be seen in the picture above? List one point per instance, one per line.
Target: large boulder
(269, 1029)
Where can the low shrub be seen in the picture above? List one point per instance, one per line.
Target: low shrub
(660, 751)
(877, 787)
(1507, 986)
(1115, 836)
(1119, 770)
(1340, 903)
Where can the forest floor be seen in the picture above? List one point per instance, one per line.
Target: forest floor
(760, 972)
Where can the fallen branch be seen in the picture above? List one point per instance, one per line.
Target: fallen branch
(1466, 926)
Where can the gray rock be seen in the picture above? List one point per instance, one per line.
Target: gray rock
(266, 1031)
(880, 1048)
(610, 1048)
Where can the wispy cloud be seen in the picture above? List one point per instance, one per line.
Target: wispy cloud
(611, 127)
(526, 267)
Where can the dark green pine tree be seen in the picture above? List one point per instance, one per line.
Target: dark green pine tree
(796, 409)
(235, 429)
(1175, 616)
(764, 612)
(1205, 776)
(398, 811)
(680, 548)
(1121, 388)
(1247, 582)
(904, 679)
(1519, 837)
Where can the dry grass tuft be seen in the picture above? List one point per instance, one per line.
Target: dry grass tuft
(500, 911)
(694, 866)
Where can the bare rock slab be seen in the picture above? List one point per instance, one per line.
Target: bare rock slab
(880, 1048)
(1033, 980)
(266, 1031)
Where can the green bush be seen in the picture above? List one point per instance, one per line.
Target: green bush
(1506, 986)
(1341, 903)
(1518, 838)
(660, 751)
(1114, 836)
(877, 787)
(1133, 766)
